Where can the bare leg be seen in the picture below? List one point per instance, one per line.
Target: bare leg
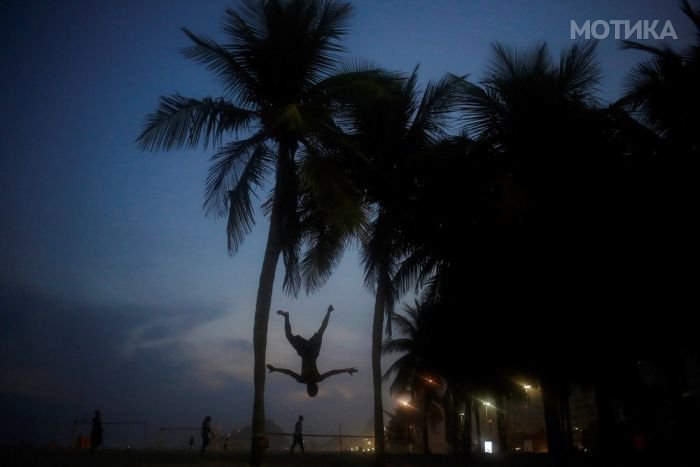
(324, 324)
(287, 326)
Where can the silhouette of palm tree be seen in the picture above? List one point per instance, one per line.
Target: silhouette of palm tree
(412, 372)
(277, 69)
(543, 120)
(662, 92)
(389, 133)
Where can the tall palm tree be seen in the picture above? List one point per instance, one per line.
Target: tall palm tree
(663, 90)
(412, 372)
(277, 71)
(662, 93)
(390, 133)
(544, 123)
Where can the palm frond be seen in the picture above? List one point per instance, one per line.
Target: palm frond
(405, 324)
(245, 25)
(321, 259)
(642, 83)
(404, 362)
(656, 51)
(355, 82)
(431, 292)
(228, 166)
(397, 345)
(483, 109)
(403, 382)
(327, 28)
(415, 270)
(434, 114)
(410, 94)
(183, 122)
(503, 65)
(239, 168)
(287, 194)
(693, 15)
(579, 72)
(236, 80)
(332, 22)
(331, 211)
(538, 61)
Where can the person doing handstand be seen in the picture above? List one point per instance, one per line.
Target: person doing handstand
(308, 350)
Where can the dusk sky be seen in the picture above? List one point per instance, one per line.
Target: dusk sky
(116, 292)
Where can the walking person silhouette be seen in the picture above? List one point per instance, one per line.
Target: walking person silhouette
(308, 350)
(96, 433)
(206, 431)
(298, 436)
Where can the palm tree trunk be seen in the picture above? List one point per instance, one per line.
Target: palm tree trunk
(477, 422)
(552, 398)
(604, 410)
(377, 332)
(467, 433)
(426, 439)
(262, 317)
(502, 427)
(449, 409)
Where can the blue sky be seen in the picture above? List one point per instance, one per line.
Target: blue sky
(113, 280)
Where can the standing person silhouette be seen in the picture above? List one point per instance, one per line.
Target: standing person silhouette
(298, 436)
(96, 433)
(308, 350)
(206, 431)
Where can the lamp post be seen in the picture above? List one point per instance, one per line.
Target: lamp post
(486, 410)
(488, 444)
(526, 387)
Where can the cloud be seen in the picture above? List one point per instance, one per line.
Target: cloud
(37, 382)
(62, 358)
(341, 392)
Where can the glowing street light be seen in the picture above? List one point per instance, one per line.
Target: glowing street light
(405, 403)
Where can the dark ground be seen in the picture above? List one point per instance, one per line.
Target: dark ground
(34, 457)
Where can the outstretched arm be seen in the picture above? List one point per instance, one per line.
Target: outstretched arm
(294, 375)
(328, 374)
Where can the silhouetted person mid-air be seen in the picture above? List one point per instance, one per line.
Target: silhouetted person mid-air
(206, 431)
(298, 436)
(308, 350)
(96, 433)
